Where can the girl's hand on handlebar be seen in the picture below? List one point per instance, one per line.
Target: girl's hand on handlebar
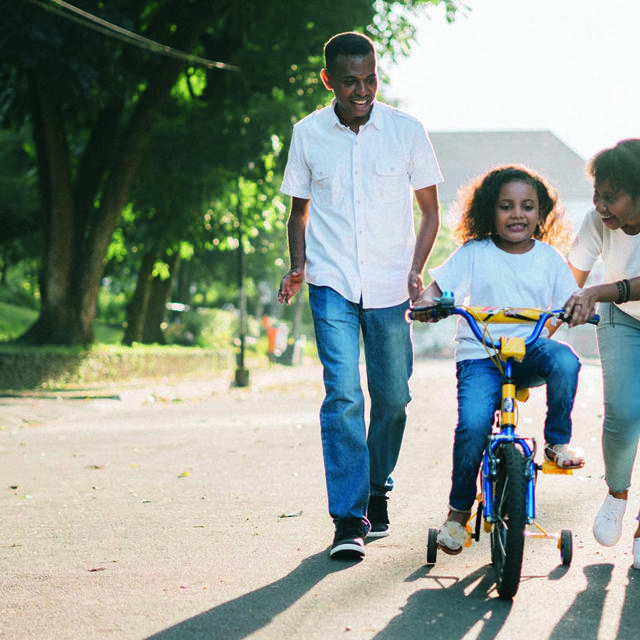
(424, 307)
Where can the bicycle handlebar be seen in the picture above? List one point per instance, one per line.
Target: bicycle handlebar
(445, 307)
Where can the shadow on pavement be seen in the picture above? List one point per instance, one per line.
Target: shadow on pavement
(582, 619)
(450, 608)
(630, 616)
(248, 613)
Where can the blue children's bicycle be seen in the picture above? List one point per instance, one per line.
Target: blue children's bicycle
(508, 471)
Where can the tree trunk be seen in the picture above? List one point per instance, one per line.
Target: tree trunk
(77, 235)
(57, 320)
(153, 332)
(137, 308)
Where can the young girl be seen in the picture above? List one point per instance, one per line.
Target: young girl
(507, 218)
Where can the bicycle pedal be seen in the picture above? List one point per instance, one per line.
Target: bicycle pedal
(552, 468)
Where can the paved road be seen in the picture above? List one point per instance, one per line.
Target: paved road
(195, 511)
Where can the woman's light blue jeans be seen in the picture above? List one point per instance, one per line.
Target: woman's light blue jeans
(358, 463)
(619, 345)
(479, 396)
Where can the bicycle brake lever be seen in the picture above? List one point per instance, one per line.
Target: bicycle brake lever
(593, 320)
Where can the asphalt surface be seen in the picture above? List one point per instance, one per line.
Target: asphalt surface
(192, 510)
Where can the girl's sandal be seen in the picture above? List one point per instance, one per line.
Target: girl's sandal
(563, 456)
(452, 537)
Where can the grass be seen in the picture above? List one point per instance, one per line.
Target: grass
(215, 326)
(15, 320)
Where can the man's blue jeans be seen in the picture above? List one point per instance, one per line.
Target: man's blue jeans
(479, 396)
(358, 463)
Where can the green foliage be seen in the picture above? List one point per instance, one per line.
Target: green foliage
(203, 328)
(444, 246)
(13, 320)
(19, 207)
(56, 367)
(215, 148)
(107, 334)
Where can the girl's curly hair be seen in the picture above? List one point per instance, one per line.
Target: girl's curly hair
(477, 202)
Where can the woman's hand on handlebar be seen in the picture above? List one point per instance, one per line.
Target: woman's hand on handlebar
(580, 307)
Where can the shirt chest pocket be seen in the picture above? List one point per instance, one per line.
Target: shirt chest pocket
(391, 180)
(328, 184)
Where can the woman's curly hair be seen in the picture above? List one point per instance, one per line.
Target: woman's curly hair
(620, 165)
(477, 201)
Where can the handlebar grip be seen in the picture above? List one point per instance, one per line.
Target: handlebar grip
(410, 314)
(593, 320)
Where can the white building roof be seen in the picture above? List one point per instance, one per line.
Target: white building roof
(463, 155)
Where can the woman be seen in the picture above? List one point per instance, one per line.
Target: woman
(612, 232)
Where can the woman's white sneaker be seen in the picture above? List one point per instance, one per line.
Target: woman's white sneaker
(607, 527)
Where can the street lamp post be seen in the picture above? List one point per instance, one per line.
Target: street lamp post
(242, 374)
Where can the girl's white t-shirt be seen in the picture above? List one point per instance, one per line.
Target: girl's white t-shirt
(481, 274)
(619, 251)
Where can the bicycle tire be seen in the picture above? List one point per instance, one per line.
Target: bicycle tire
(432, 546)
(566, 547)
(507, 535)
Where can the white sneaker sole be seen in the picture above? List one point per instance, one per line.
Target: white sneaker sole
(379, 534)
(347, 549)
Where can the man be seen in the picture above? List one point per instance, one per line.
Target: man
(350, 172)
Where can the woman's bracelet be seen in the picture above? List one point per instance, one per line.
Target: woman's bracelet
(624, 291)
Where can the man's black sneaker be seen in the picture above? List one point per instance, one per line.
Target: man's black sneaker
(378, 517)
(348, 543)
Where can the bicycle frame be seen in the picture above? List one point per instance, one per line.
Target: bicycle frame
(508, 350)
(508, 470)
(508, 405)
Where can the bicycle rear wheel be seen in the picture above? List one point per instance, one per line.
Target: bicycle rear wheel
(507, 535)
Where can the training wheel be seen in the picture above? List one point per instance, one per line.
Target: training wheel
(566, 546)
(432, 546)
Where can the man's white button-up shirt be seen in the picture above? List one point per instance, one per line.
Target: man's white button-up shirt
(360, 235)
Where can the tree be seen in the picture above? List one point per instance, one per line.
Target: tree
(19, 207)
(93, 102)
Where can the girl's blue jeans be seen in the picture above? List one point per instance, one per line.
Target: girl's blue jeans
(479, 395)
(619, 345)
(359, 463)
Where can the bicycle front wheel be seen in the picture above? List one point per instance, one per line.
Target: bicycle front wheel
(507, 535)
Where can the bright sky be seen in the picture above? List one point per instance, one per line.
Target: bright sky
(571, 66)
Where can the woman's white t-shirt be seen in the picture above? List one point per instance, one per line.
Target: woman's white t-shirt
(481, 274)
(619, 251)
